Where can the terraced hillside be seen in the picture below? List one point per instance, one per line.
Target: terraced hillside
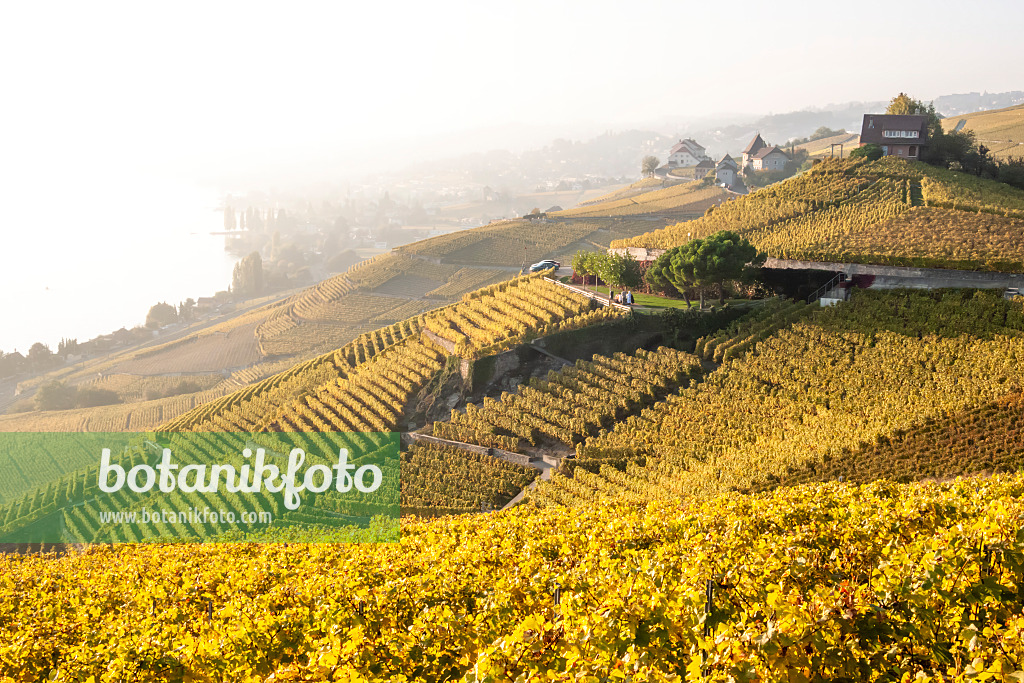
(368, 385)
(572, 403)
(816, 393)
(889, 212)
(646, 558)
(266, 340)
(591, 226)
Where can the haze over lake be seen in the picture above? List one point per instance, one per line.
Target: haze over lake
(92, 257)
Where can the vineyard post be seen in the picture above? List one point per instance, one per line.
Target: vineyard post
(709, 606)
(557, 599)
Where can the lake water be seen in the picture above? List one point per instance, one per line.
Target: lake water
(84, 260)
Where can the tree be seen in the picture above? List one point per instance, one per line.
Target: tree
(187, 310)
(619, 270)
(161, 314)
(229, 218)
(89, 397)
(67, 347)
(342, 261)
(649, 165)
(798, 159)
(54, 395)
(40, 357)
(584, 263)
(658, 277)
(958, 149)
(825, 132)
(1011, 172)
(870, 151)
(247, 279)
(711, 261)
(11, 363)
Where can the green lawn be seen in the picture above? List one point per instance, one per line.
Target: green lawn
(661, 302)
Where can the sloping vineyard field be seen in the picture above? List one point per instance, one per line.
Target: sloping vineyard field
(684, 198)
(572, 403)
(979, 441)
(498, 317)
(441, 479)
(889, 212)
(832, 582)
(840, 380)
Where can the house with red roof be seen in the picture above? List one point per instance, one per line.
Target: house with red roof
(901, 135)
(760, 156)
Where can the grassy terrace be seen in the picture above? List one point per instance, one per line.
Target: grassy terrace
(657, 303)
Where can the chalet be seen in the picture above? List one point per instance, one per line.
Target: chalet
(901, 135)
(686, 153)
(726, 170)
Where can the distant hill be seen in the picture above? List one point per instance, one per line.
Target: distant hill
(1001, 130)
(731, 136)
(966, 103)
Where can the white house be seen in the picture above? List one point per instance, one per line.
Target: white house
(725, 171)
(686, 153)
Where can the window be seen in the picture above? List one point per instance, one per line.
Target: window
(885, 150)
(913, 151)
(900, 134)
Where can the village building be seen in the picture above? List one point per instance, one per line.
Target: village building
(704, 168)
(769, 159)
(726, 171)
(205, 304)
(760, 156)
(686, 153)
(901, 135)
(755, 146)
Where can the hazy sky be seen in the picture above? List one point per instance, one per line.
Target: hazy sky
(102, 101)
(213, 85)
